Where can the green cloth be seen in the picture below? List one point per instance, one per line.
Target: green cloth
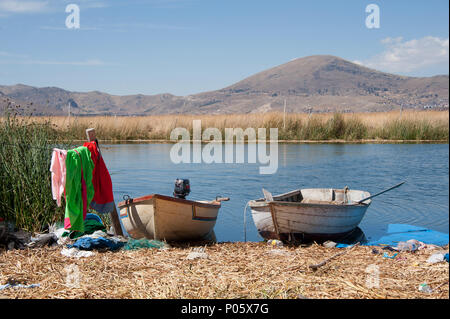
(90, 226)
(74, 200)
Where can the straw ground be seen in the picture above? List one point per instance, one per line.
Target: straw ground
(232, 270)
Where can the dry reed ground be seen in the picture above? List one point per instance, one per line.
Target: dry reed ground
(232, 270)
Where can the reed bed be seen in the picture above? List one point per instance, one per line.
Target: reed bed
(25, 188)
(232, 270)
(400, 126)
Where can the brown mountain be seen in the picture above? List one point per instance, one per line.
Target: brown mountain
(320, 83)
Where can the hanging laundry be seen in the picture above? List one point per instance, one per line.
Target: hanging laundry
(79, 189)
(58, 169)
(103, 201)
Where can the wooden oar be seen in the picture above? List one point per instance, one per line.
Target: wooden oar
(382, 192)
(267, 195)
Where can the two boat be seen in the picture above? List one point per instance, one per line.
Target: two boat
(299, 215)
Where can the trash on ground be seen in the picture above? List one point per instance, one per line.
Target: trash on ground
(385, 255)
(76, 253)
(425, 288)
(41, 240)
(197, 253)
(409, 245)
(436, 258)
(329, 244)
(13, 283)
(275, 242)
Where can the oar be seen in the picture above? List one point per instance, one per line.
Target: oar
(382, 192)
(267, 195)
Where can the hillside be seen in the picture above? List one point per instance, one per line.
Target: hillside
(320, 83)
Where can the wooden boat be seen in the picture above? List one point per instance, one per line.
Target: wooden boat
(168, 218)
(303, 214)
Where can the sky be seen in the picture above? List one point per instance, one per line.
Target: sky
(185, 47)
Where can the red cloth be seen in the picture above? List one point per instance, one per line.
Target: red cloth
(103, 201)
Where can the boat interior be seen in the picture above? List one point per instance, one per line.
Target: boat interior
(322, 196)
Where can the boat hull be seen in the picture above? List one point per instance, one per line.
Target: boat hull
(167, 218)
(302, 221)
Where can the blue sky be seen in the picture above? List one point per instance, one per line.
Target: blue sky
(190, 46)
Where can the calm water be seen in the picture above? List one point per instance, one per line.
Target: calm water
(141, 169)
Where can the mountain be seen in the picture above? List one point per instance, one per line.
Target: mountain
(319, 83)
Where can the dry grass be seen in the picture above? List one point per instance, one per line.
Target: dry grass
(233, 270)
(410, 125)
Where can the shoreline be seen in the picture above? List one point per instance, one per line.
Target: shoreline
(335, 141)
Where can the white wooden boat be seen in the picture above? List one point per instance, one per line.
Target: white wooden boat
(316, 213)
(168, 218)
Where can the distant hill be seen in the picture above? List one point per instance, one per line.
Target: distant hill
(321, 83)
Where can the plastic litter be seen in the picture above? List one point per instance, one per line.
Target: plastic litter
(436, 258)
(385, 255)
(329, 244)
(19, 286)
(42, 240)
(197, 253)
(275, 243)
(425, 288)
(446, 257)
(76, 253)
(409, 245)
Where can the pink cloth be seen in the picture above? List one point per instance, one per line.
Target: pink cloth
(58, 169)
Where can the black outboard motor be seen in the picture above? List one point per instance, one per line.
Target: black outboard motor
(182, 188)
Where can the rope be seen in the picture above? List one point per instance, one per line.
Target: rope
(245, 222)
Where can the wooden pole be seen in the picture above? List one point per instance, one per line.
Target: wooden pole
(284, 115)
(90, 134)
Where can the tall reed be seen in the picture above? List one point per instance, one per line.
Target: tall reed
(25, 188)
(408, 125)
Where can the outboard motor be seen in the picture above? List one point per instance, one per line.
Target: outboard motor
(182, 188)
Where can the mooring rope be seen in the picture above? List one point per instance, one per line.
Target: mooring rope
(245, 221)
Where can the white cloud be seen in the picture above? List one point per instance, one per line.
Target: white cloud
(16, 6)
(26, 60)
(408, 56)
(77, 63)
(8, 7)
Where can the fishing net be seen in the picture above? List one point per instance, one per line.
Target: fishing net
(133, 244)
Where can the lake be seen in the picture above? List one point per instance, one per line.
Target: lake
(142, 169)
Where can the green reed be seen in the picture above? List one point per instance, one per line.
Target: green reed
(25, 155)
